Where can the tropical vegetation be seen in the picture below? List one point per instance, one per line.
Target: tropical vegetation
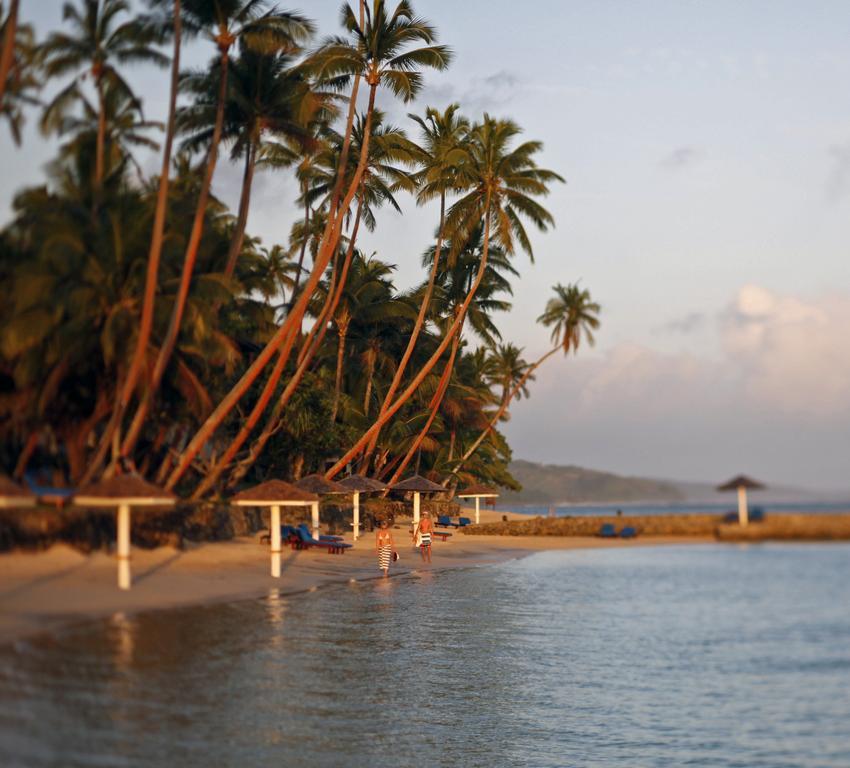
(142, 325)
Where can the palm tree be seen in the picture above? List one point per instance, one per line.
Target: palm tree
(443, 136)
(9, 36)
(18, 81)
(378, 181)
(94, 47)
(267, 96)
(571, 314)
(502, 183)
(224, 22)
(380, 53)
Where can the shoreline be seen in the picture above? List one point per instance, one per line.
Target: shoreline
(46, 591)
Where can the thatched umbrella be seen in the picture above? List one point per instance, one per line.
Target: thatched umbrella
(742, 484)
(357, 484)
(318, 485)
(417, 484)
(14, 495)
(478, 492)
(124, 492)
(277, 494)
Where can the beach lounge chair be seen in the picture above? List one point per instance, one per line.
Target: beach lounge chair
(322, 537)
(48, 494)
(442, 535)
(444, 521)
(607, 531)
(756, 515)
(462, 521)
(628, 532)
(305, 541)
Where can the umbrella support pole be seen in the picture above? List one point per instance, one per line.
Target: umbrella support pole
(315, 509)
(356, 522)
(274, 529)
(123, 530)
(743, 517)
(416, 508)
(477, 510)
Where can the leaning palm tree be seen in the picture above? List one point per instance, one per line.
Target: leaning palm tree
(19, 83)
(571, 314)
(8, 41)
(503, 182)
(223, 22)
(380, 179)
(95, 45)
(379, 52)
(443, 137)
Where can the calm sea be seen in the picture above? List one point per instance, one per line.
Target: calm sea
(680, 656)
(676, 508)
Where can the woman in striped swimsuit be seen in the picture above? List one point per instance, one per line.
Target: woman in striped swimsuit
(384, 546)
(423, 532)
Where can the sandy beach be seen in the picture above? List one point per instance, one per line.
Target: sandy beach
(43, 591)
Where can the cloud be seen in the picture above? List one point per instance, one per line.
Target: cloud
(681, 157)
(687, 324)
(775, 401)
(479, 94)
(838, 180)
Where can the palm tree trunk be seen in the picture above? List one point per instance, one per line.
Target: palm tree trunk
(342, 330)
(506, 401)
(426, 369)
(370, 373)
(101, 137)
(283, 337)
(435, 404)
(303, 251)
(311, 345)
(244, 203)
(8, 52)
(189, 259)
(155, 250)
(414, 334)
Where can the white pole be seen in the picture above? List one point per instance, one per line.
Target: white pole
(315, 506)
(356, 533)
(275, 540)
(415, 508)
(743, 517)
(124, 546)
(477, 510)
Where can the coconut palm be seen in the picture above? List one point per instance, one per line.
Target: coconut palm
(223, 22)
(270, 108)
(441, 150)
(571, 314)
(19, 83)
(95, 45)
(380, 51)
(503, 182)
(378, 182)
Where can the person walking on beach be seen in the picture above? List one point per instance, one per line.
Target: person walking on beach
(384, 546)
(422, 533)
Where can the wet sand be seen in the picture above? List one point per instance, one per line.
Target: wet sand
(42, 591)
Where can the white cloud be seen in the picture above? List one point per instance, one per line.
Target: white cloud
(776, 402)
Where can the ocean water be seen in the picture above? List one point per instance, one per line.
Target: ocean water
(680, 656)
(676, 508)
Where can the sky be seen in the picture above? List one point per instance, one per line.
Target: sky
(706, 152)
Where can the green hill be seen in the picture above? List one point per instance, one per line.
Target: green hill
(552, 484)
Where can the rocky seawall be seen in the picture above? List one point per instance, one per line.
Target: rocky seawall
(774, 527)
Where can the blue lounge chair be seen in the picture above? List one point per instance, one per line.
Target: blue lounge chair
(305, 541)
(757, 515)
(462, 521)
(47, 493)
(607, 531)
(322, 537)
(628, 532)
(444, 521)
